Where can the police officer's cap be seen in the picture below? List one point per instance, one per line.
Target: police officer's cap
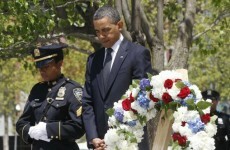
(45, 54)
(211, 94)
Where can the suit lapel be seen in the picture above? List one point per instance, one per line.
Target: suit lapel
(120, 57)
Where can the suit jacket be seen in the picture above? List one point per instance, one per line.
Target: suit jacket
(132, 62)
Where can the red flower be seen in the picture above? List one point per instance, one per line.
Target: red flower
(166, 98)
(176, 136)
(205, 118)
(134, 111)
(184, 92)
(182, 141)
(131, 98)
(126, 104)
(168, 84)
(183, 123)
(153, 98)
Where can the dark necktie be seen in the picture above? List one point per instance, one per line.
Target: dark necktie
(107, 66)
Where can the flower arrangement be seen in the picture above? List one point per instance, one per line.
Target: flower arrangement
(193, 127)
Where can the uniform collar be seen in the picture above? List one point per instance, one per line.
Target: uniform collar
(54, 82)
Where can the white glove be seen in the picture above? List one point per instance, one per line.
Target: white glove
(39, 132)
(41, 127)
(33, 133)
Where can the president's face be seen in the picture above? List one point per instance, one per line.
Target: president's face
(107, 32)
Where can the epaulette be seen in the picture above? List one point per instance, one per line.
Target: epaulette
(72, 82)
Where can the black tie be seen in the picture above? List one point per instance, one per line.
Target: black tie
(107, 66)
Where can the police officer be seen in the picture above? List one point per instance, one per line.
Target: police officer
(222, 137)
(52, 115)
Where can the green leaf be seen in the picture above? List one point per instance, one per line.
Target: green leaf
(203, 104)
(110, 111)
(190, 104)
(135, 83)
(180, 84)
(174, 105)
(142, 119)
(149, 75)
(148, 88)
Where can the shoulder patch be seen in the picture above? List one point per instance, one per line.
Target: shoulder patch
(78, 93)
(79, 111)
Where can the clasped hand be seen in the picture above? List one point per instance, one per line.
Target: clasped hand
(39, 132)
(98, 144)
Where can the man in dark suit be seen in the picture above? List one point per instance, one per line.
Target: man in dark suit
(222, 137)
(109, 73)
(52, 115)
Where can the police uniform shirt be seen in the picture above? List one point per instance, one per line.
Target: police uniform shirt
(57, 103)
(223, 131)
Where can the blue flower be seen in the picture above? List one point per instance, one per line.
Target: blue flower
(142, 100)
(132, 123)
(144, 83)
(118, 113)
(188, 84)
(196, 125)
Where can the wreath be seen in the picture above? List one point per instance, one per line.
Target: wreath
(193, 127)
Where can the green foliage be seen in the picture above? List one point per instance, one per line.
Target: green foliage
(110, 111)
(13, 79)
(210, 70)
(209, 59)
(203, 105)
(174, 105)
(142, 119)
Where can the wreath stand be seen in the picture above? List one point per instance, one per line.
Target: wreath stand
(164, 127)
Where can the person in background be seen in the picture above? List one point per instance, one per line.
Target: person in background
(110, 71)
(222, 137)
(52, 117)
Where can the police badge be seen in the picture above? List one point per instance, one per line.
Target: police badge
(78, 93)
(61, 93)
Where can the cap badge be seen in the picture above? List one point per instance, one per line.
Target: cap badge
(209, 92)
(36, 52)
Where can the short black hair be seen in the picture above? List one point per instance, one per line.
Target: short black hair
(107, 11)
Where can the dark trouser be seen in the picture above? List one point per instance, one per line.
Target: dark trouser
(144, 145)
(54, 145)
(221, 145)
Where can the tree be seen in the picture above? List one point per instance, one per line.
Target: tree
(13, 79)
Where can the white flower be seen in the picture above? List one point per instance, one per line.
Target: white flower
(185, 131)
(111, 137)
(125, 145)
(135, 105)
(112, 121)
(201, 141)
(173, 92)
(138, 134)
(151, 114)
(135, 92)
(129, 116)
(197, 92)
(192, 115)
(211, 129)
